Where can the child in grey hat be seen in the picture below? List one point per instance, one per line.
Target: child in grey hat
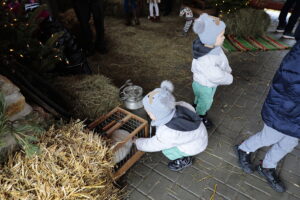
(210, 65)
(179, 131)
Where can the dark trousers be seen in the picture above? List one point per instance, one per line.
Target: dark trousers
(168, 6)
(84, 9)
(129, 5)
(293, 18)
(297, 32)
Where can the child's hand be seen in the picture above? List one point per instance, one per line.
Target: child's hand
(134, 139)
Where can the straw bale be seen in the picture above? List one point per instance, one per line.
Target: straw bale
(247, 22)
(90, 96)
(73, 165)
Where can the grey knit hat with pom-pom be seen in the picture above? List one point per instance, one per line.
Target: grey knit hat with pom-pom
(208, 28)
(161, 103)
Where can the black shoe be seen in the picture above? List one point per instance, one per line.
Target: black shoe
(271, 177)
(244, 160)
(280, 29)
(208, 124)
(137, 21)
(288, 35)
(179, 164)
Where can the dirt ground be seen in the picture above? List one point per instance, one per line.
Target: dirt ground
(146, 54)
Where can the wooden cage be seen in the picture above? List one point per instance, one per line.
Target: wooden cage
(119, 118)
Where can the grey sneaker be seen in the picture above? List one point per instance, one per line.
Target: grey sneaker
(288, 35)
(280, 29)
(179, 164)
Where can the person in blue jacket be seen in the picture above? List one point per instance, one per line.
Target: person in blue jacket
(281, 116)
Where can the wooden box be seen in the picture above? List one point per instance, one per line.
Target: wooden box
(119, 118)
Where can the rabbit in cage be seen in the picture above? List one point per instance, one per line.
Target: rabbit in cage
(119, 136)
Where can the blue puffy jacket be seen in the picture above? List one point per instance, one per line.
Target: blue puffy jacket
(281, 109)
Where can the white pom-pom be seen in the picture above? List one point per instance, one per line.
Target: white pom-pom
(167, 85)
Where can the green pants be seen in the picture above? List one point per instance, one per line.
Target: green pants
(174, 153)
(203, 97)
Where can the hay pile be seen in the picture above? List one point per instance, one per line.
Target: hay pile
(247, 22)
(90, 96)
(72, 165)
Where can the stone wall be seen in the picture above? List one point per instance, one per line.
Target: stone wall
(16, 108)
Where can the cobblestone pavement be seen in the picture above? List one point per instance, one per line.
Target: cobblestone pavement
(236, 116)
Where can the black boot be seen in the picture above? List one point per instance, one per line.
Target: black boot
(136, 18)
(271, 177)
(128, 19)
(208, 124)
(179, 164)
(244, 160)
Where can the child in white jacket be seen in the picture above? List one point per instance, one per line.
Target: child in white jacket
(210, 65)
(180, 132)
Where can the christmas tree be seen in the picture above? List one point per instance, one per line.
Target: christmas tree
(230, 6)
(19, 38)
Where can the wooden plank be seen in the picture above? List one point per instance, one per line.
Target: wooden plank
(118, 125)
(130, 136)
(101, 119)
(133, 115)
(128, 164)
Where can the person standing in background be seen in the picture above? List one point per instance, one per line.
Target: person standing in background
(131, 11)
(84, 9)
(154, 3)
(287, 28)
(168, 4)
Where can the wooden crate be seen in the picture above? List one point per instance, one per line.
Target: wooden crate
(119, 118)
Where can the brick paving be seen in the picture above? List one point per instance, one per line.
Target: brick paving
(236, 116)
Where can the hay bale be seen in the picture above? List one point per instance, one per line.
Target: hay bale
(247, 22)
(73, 165)
(90, 96)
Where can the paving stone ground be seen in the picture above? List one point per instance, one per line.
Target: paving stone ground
(236, 116)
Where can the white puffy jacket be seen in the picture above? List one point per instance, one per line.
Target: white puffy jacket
(189, 142)
(212, 70)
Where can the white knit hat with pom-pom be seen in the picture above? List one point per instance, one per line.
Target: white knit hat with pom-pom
(161, 103)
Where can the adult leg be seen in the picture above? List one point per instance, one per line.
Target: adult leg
(168, 7)
(151, 9)
(297, 32)
(284, 11)
(135, 12)
(98, 15)
(83, 13)
(127, 12)
(293, 19)
(156, 9)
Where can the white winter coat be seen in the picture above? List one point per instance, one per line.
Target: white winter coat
(189, 142)
(212, 70)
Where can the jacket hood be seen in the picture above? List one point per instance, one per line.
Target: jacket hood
(184, 120)
(199, 49)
